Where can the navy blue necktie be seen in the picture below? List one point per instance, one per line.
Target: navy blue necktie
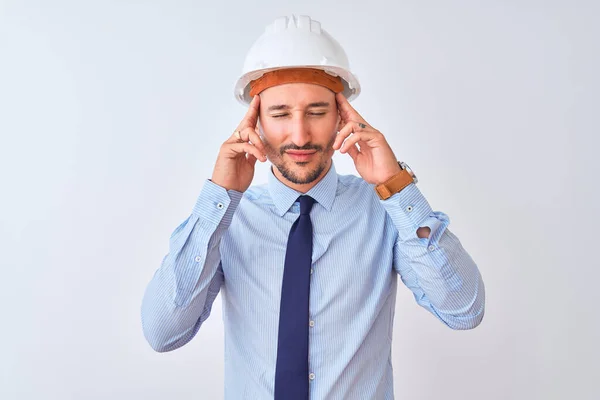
(291, 372)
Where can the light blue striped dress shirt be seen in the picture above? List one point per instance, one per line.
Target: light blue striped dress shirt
(235, 243)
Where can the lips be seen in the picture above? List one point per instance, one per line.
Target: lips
(301, 156)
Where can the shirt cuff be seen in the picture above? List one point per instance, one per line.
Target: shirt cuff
(216, 204)
(409, 210)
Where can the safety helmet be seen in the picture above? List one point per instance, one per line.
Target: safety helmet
(295, 42)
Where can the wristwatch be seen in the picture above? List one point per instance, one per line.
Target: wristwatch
(397, 182)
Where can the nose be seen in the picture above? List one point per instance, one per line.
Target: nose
(299, 131)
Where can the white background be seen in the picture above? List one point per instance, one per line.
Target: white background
(111, 116)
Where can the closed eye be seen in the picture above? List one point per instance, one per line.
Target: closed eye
(283, 115)
(310, 113)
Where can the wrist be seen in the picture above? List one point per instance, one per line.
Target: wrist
(224, 185)
(396, 183)
(390, 174)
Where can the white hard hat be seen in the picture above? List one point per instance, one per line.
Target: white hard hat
(295, 42)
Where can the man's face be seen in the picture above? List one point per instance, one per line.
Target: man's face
(298, 124)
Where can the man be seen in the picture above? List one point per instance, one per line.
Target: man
(307, 264)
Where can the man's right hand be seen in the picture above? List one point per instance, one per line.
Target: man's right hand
(234, 168)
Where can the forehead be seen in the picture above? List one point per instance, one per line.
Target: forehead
(296, 95)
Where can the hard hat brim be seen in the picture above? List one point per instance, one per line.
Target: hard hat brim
(349, 80)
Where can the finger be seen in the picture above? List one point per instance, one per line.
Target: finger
(235, 137)
(256, 140)
(236, 149)
(347, 112)
(349, 128)
(251, 159)
(242, 135)
(248, 135)
(357, 137)
(353, 152)
(245, 133)
(342, 135)
(251, 117)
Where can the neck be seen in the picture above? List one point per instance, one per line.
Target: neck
(302, 188)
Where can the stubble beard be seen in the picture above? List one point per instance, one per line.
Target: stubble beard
(286, 168)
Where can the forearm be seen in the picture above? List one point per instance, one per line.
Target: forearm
(444, 279)
(179, 297)
(432, 262)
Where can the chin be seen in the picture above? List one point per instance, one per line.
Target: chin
(302, 172)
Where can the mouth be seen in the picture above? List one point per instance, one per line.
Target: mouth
(300, 156)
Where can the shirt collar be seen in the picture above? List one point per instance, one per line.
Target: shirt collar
(284, 196)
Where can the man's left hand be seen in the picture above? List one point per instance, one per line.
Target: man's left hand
(375, 161)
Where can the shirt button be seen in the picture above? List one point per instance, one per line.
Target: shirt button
(409, 208)
(220, 206)
(311, 376)
(311, 270)
(311, 323)
(198, 259)
(431, 248)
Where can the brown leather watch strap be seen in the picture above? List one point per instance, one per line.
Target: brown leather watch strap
(393, 185)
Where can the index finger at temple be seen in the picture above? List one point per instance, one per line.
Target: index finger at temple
(251, 117)
(346, 110)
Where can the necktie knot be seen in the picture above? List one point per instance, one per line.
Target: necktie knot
(306, 203)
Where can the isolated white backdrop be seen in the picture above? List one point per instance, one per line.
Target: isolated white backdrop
(111, 116)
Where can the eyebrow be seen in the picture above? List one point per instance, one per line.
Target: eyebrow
(286, 107)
